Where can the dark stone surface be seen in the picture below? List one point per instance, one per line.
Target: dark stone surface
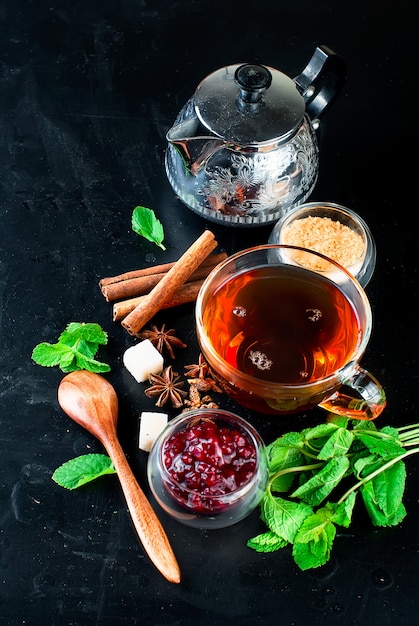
(87, 93)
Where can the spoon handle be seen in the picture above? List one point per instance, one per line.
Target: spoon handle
(146, 522)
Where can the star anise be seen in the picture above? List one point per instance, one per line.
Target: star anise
(168, 387)
(199, 375)
(197, 370)
(163, 340)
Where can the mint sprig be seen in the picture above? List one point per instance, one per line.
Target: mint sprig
(75, 349)
(83, 469)
(315, 477)
(146, 224)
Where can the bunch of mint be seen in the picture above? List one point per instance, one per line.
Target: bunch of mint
(322, 470)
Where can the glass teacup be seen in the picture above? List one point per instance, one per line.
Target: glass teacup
(281, 336)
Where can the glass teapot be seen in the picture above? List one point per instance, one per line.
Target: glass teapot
(243, 150)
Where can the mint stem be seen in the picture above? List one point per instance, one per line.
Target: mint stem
(377, 472)
(291, 470)
(408, 427)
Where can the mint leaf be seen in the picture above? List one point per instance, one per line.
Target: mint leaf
(339, 420)
(49, 355)
(319, 486)
(92, 365)
(341, 513)
(290, 440)
(276, 450)
(391, 431)
(384, 447)
(379, 518)
(363, 425)
(75, 349)
(383, 495)
(313, 542)
(267, 542)
(283, 517)
(322, 430)
(363, 465)
(337, 444)
(68, 361)
(145, 223)
(77, 331)
(284, 453)
(83, 469)
(281, 478)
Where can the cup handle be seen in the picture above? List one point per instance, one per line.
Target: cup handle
(370, 403)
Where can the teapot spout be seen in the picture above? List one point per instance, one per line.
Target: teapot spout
(194, 151)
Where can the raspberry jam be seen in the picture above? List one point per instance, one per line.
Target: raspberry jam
(208, 468)
(207, 460)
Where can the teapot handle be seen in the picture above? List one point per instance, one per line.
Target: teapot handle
(321, 80)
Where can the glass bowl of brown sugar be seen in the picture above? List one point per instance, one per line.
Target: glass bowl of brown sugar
(332, 230)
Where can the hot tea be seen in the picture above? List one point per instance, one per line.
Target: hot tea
(282, 324)
(281, 338)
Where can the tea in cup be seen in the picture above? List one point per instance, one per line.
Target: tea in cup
(281, 337)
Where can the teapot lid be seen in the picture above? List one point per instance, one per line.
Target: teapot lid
(249, 104)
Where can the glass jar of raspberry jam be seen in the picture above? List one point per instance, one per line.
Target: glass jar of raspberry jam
(208, 468)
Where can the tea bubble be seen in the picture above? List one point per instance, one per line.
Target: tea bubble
(314, 314)
(260, 360)
(239, 311)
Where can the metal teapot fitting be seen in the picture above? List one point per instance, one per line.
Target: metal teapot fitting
(243, 150)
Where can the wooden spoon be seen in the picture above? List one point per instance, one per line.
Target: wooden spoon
(91, 401)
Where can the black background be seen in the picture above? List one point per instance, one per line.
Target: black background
(87, 93)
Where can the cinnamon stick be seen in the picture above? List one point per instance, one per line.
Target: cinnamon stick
(146, 271)
(170, 283)
(155, 269)
(186, 293)
(144, 280)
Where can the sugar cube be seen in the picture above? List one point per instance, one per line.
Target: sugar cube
(151, 425)
(142, 360)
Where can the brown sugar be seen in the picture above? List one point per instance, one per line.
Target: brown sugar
(329, 237)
